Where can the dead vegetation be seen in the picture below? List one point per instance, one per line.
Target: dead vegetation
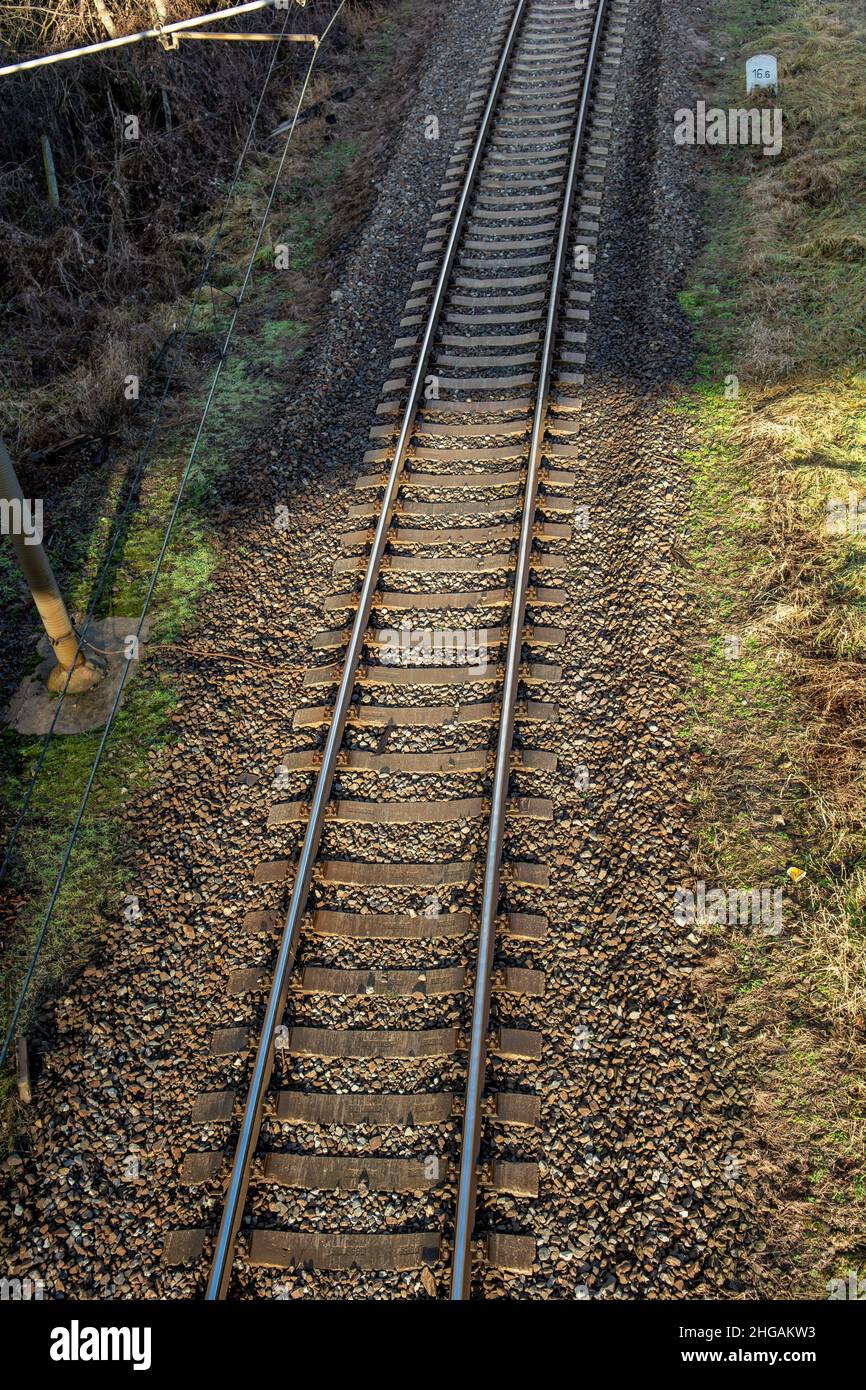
(90, 288)
(98, 291)
(803, 249)
(807, 453)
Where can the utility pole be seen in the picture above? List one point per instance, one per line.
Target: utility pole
(21, 520)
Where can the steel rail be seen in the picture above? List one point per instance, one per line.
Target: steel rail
(232, 1214)
(461, 1268)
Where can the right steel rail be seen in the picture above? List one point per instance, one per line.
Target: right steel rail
(461, 1270)
(235, 1198)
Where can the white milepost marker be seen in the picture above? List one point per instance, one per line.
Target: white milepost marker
(762, 71)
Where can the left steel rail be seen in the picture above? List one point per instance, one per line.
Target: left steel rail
(235, 1199)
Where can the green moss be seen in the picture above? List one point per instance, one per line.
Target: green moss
(10, 577)
(99, 873)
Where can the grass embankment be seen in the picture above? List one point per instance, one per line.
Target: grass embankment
(779, 729)
(322, 194)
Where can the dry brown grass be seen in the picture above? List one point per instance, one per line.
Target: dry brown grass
(359, 18)
(801, 449)
(781, 734)
(88, 289)
(801, 246)
(31, 29)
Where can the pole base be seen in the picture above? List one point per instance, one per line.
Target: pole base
(34, 708)
(85, 676)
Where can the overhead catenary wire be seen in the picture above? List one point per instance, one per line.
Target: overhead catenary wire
(138, 473)
(85, 799)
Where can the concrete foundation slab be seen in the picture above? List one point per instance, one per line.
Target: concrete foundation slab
(32, 707)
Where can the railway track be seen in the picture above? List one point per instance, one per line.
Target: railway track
(390, 1122)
